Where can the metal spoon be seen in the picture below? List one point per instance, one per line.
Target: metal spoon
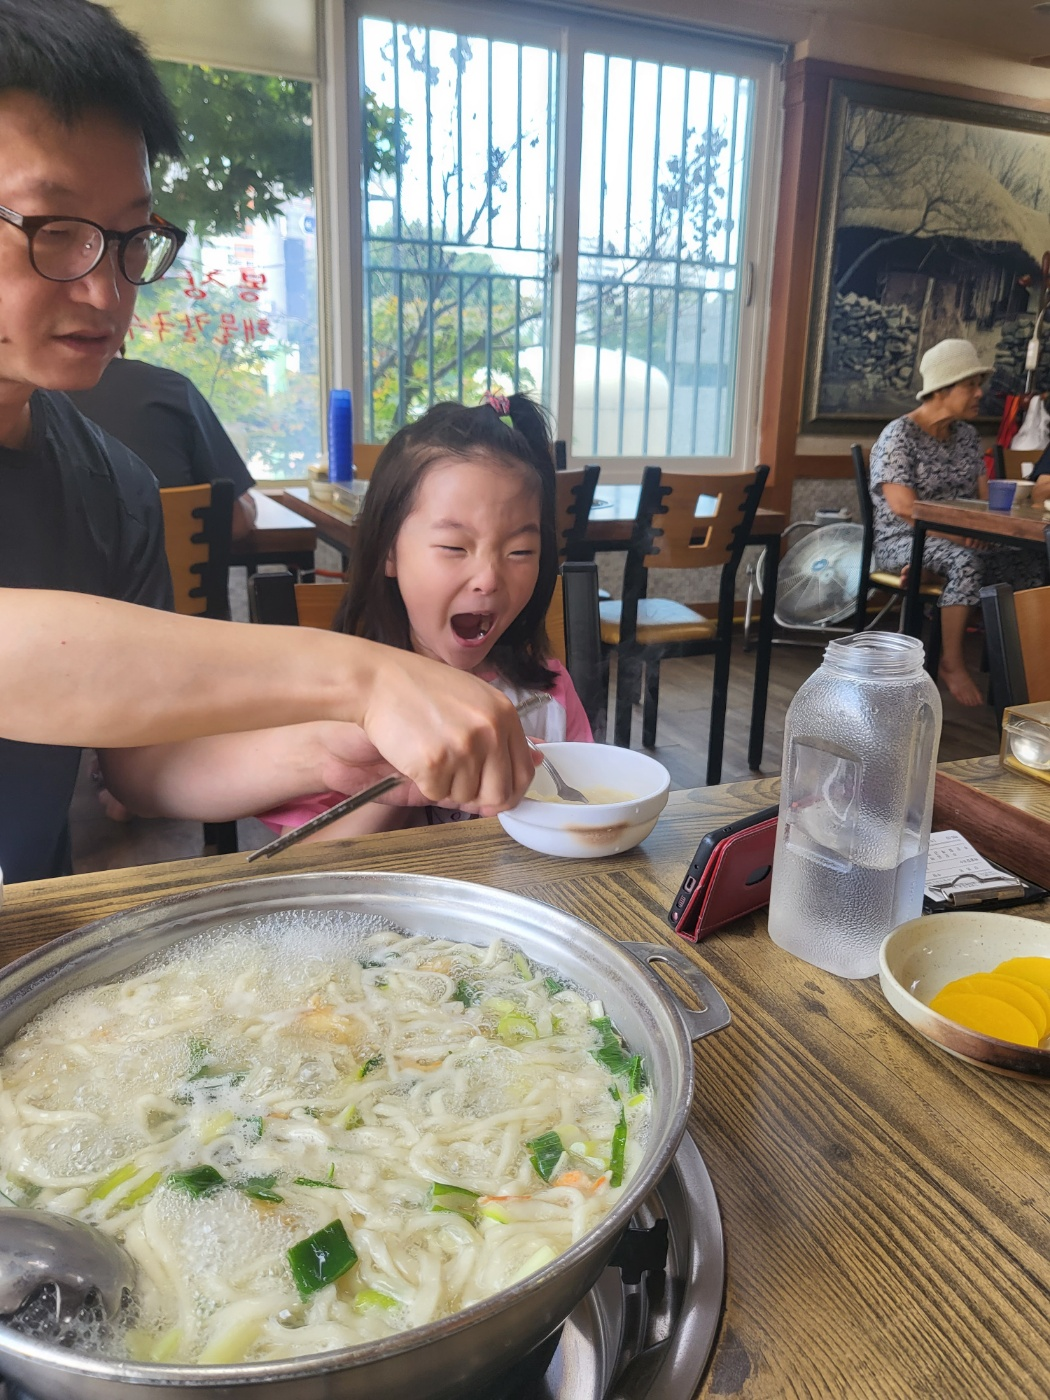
(83, 1265)
(566, 793)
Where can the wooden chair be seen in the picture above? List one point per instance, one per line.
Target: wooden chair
(1008, 462)
(572, 622)
(366, 454)
(870, 578)
(644, 630)
(1016, 627)
(198, 524)
(573, 498)
(198, 530)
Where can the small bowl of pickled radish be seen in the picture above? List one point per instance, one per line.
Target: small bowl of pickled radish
(976, 984)
(626, 793)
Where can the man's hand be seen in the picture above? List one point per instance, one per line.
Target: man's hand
(458, 739)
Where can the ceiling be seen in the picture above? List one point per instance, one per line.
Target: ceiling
(1008, 28)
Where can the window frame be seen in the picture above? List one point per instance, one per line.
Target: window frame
(571, 33)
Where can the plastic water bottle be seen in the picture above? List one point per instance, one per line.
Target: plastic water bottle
(340, 435)
(856, 803)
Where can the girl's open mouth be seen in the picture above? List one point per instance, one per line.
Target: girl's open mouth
(472, 627)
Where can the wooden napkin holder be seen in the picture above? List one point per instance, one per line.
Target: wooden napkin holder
(1008, 834)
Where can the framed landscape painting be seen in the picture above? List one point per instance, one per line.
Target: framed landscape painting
(934, 218)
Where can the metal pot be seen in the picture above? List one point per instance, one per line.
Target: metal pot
(455, 1355)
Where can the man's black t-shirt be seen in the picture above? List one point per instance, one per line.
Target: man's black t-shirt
(78, 512)
(165, 420)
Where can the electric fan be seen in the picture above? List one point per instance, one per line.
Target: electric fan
(819, 578)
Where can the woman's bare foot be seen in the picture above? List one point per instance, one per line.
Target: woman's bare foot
(959, 685)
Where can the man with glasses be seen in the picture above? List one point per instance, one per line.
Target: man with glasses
(82, 114)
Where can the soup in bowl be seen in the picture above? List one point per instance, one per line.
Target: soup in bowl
(626, 793)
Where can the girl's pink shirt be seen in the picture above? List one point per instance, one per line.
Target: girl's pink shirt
(562, 717)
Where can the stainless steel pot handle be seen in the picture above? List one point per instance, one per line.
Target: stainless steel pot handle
(714, 1016)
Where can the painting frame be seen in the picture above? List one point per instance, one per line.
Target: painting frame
(819, 413)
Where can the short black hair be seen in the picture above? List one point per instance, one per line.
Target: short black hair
(79, 58)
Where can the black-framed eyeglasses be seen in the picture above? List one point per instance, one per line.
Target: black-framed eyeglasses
(63, 249)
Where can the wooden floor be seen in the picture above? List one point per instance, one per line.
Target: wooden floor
(685, 690)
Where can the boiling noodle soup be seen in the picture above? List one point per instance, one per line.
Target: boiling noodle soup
(309, 1137)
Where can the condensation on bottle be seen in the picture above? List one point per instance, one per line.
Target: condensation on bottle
(856, 803)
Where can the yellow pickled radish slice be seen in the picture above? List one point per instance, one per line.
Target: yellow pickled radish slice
(1032, 988)
(986, 1015)
(1033, 969)
(991, 984)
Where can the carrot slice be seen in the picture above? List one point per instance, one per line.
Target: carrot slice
(990, 984)
(986, 1015)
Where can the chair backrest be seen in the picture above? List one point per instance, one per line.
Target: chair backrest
(198, 527)
(366, 454)
(667, 523)
(573, 627)
(1012, 461)
(274, 597)
(1016, 627)
(573, 498)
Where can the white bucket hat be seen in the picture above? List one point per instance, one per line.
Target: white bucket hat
(945, 363)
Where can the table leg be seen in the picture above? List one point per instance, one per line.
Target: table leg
(763, 653)
(912, 598)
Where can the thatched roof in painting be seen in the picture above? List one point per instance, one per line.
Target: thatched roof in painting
(971, 204)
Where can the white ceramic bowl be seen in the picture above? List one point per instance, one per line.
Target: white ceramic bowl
(923, 955)
(600, 828)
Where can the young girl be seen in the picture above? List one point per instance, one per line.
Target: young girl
(457, 560)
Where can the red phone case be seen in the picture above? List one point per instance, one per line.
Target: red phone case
(724, 892)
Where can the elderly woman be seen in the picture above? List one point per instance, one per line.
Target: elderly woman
(933, 454)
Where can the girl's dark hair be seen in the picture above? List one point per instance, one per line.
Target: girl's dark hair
(79, 58)
(373, 606)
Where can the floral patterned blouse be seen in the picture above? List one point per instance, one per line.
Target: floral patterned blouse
(935, 470)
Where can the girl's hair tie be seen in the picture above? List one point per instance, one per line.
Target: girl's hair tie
(500, 405)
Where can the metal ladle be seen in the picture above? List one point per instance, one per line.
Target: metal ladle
(84, 1266)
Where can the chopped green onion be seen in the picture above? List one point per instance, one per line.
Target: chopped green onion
(369, 1066)
(619, 1146)
(260, 1188)
(353, 1118)
(457, 1200)
(139, 1192)
(465, 993)
(370, 1298)
(612, 1055)
(197, 1182)
(636, 1101)
(321, 1258)
(636, 1075)
(199, 1052)
(522, 964)
(310, 1181)
(515, 1027)
(109, 1184)
(253, 1128)
(553, 985)
(545, 1153)
(310, 1111)
(492, 1210)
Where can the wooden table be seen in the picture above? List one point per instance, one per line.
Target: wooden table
(886, 1207)
(610, 523)
(1023, 525)
(277, 537)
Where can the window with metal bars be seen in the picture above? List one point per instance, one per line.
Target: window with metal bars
(563, 216)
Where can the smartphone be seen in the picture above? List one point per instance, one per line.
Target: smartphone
(728, 877)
